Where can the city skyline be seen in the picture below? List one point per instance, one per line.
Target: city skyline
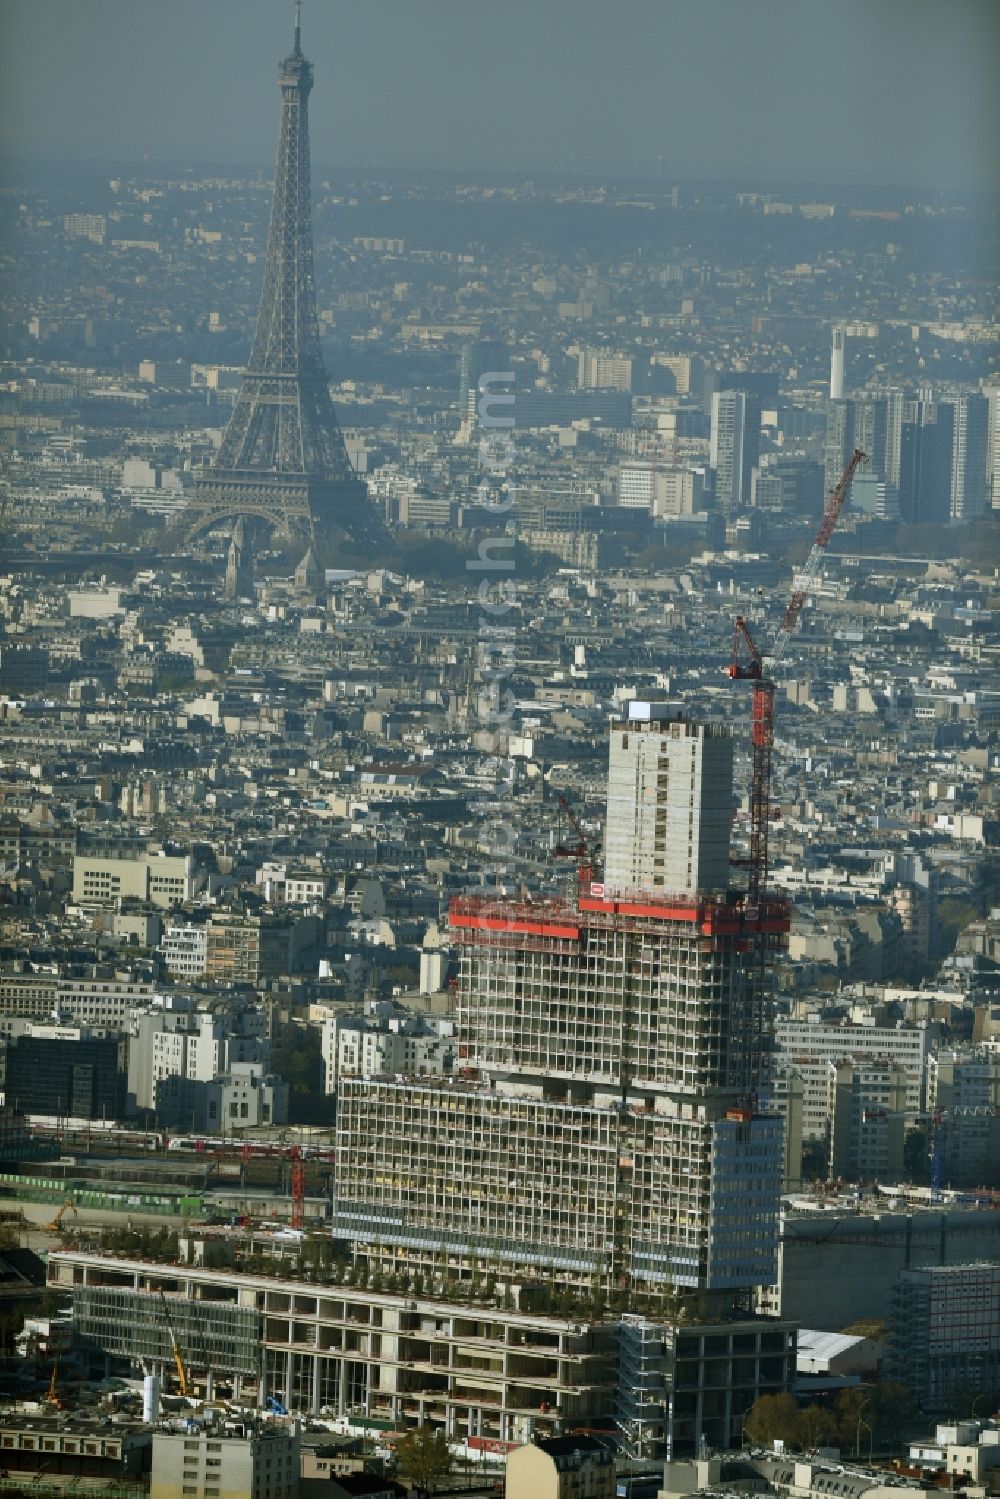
(899, 92)
(499, 804)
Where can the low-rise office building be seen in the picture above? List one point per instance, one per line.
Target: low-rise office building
(164, 879)
(65, 1072)
(70, 1450)
(211, 1462)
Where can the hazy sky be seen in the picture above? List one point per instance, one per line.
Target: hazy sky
(877, 90)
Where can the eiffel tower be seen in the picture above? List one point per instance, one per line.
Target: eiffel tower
(282, 460)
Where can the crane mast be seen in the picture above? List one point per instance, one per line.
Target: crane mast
(803, 581)
(581, 850)
(298, 1188)
(750, 667)
(175, 1348)
(747, 664)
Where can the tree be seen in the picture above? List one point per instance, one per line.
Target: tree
(424, 1456)
(855, 1409)
(815, 1163)
(771, 1417)
(815, 1427)
(916, 1155)
(895, 1408)
(297, 1056)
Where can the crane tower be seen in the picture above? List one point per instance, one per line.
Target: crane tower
(748, 664)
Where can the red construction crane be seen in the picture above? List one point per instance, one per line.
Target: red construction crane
(761, 742)
(803, 581)
(298, 1187)
(580, 850)
(750, 667)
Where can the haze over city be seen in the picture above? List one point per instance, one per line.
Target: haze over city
(859, 91)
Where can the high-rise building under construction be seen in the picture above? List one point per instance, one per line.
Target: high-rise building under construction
(605, 1136)
(570, 1231)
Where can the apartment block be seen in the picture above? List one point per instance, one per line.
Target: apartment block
(808, 1047)
(597, 369)
(571, 1467)
(173, 1038)
(247, 949)
(241, 1099)
(660, 491)
(103, 1002)
(944, 1332)
(866, 1108)
(92, 226)
(734, 449)
(678, 491)
(185, 950)
(963, 1094)
(385, 1042)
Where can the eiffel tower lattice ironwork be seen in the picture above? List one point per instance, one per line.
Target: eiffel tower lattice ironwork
(282, 458)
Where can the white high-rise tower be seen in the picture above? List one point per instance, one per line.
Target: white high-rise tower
(670, 786)
(837, 365)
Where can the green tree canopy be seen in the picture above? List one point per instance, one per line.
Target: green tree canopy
(770, 1417)
(895, 1408)
(855, 1409)
(424, 1456)
(815, 1427)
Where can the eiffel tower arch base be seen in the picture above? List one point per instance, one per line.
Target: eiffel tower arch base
(298, 511)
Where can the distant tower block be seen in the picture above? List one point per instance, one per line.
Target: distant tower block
(837, 365)
(282, 458)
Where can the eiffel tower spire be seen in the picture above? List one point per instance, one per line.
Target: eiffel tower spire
(282, 458)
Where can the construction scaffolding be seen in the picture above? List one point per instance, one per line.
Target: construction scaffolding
(663, 992)
(130, 1324)
(615, 1042)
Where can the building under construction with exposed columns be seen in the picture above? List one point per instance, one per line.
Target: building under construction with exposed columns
(605, 1135)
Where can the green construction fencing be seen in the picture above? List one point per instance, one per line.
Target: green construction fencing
(108, 1199)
